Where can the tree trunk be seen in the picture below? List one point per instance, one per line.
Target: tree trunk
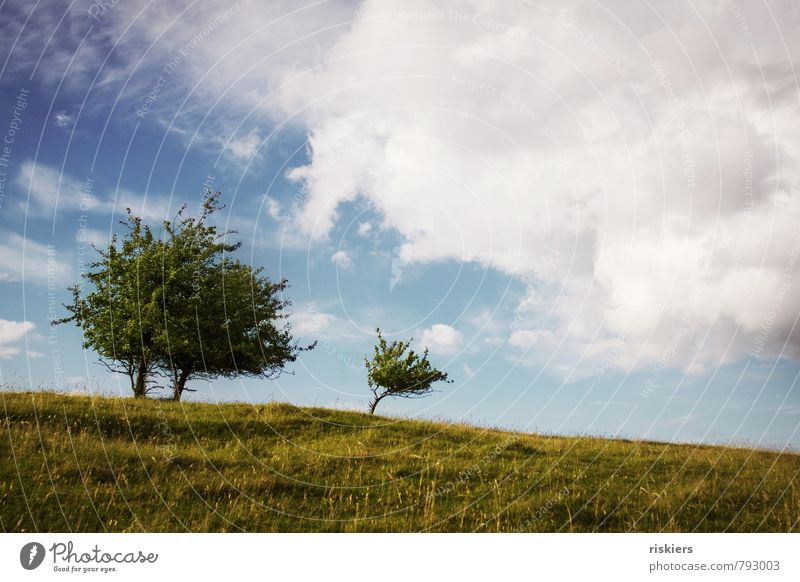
(140, 387)
(180, 384)
(374, 403)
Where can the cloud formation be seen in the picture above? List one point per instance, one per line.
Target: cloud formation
(63, 119)
(11, 332)
(22, 259)
(634, 162)
(307, 321)
(441, 338)
(342, 260)
(633, 166)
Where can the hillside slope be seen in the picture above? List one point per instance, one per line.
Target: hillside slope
(76, 463)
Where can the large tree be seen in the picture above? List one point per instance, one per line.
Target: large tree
(196, 311)
(221, 317)
(230, 328)
(117, 315)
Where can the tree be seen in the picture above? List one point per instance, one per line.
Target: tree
(200, 313)
(117, 317)
(221, 317)
(230, 327)
(396, 370)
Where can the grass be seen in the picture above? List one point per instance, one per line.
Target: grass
(81, 463)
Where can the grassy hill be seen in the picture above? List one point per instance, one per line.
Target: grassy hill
(74, 463)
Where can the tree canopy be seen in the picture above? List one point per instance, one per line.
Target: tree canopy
(396, 370)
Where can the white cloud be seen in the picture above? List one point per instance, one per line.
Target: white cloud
(50, 190)
(442, 339)
(469, 372)
(307, 321)
(342, 260)
(63, 119)
(11, 332)
(244, 147)
(654, 191)
(364, 228)
(273, 208)
(530, 338)
(22, 259)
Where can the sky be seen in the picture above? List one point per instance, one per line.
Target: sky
(589, 213)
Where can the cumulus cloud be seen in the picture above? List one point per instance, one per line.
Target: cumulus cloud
(273, 208)
(11, 332)
(442, 339)
(244, 147)
(648, 158)
(308, 321)
(342, 260)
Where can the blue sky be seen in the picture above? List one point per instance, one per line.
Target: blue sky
(590, 217)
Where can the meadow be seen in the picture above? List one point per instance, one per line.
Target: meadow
(94, 464)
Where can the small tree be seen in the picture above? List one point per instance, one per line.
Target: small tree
(396, 370)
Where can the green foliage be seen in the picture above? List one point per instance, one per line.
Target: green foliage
(88, 464)
(118, 315)
(221, 317)
(396, 370)
(181, 307)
